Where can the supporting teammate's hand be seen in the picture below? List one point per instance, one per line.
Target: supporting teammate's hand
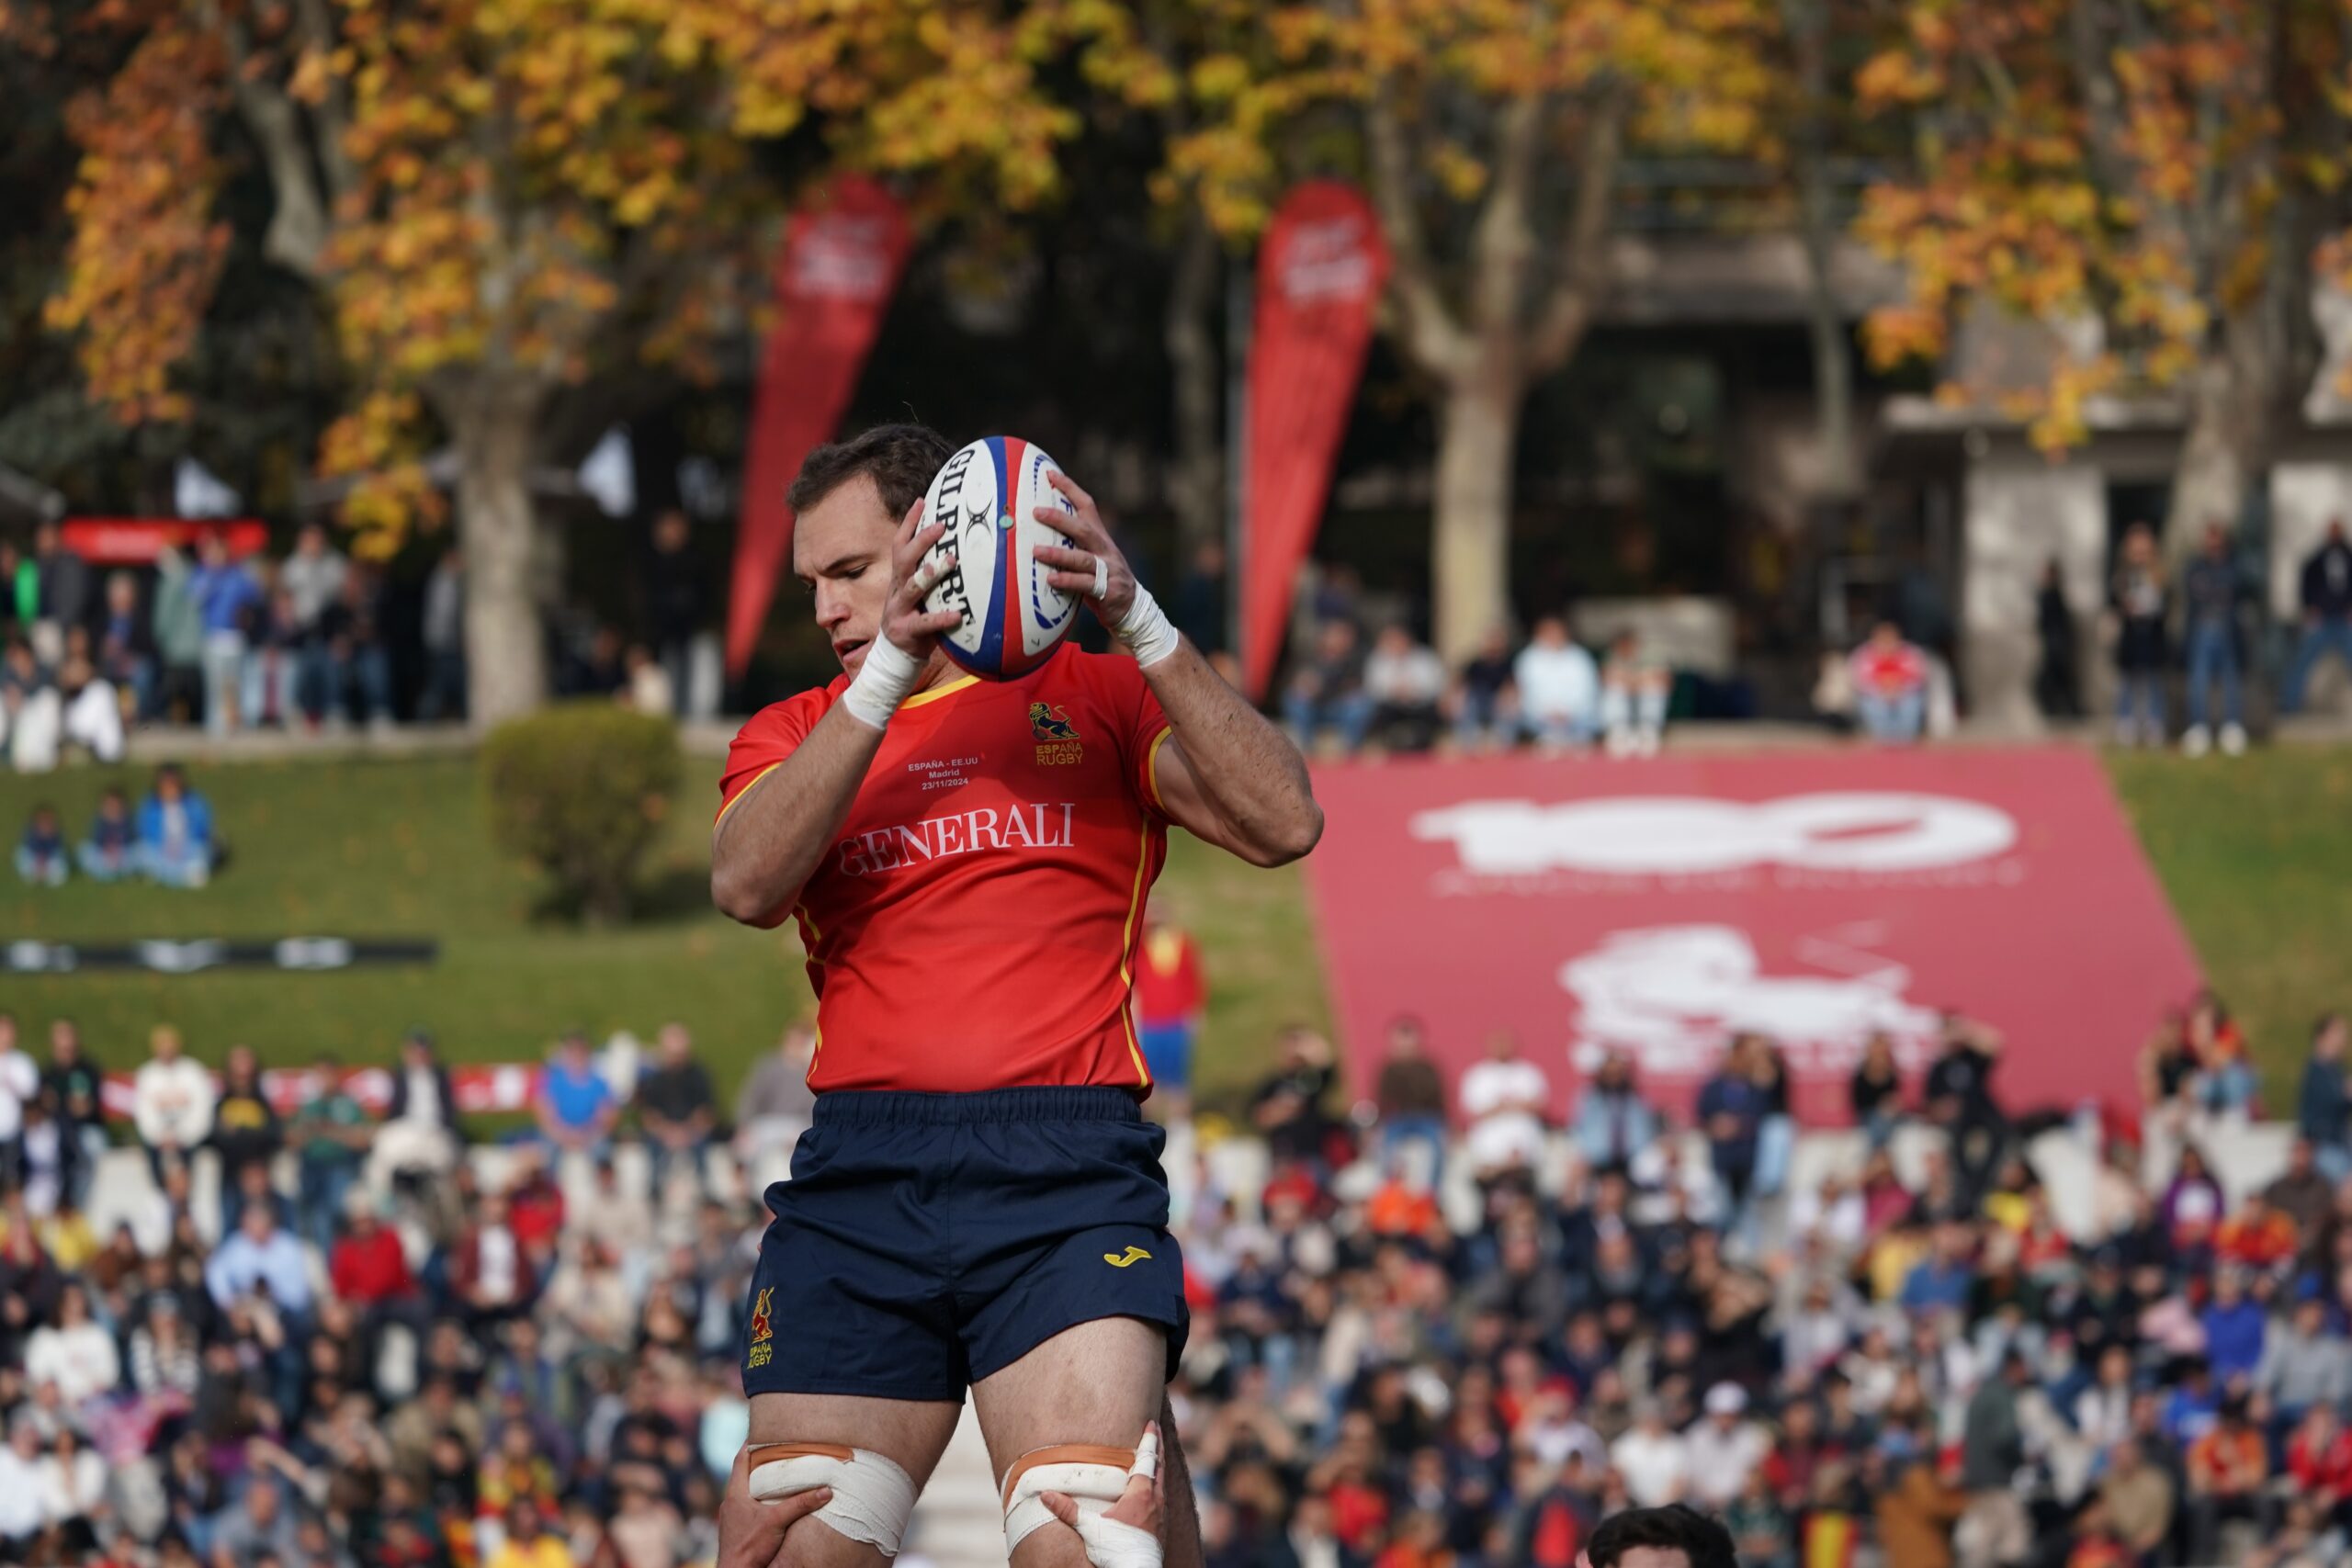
(750, 1533)
(1093, 569)
(1129, 1533)
(909, 628)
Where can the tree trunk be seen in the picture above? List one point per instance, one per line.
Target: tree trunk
(1470, 537)
(493, 418)
(1198, 491)
(2226, 448)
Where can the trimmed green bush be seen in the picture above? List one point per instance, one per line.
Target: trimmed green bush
(580, 790)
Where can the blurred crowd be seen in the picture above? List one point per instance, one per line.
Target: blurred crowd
(169, 840)
(1447, 1329)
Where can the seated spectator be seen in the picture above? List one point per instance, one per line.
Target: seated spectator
(1327, 692)
(2235, 1327)
(1725, 1448)
(41, 856)
(677, 1111)
(246, 1132)
(775, 1105)
(176, 844)
(1406, 682)
(2323, 1106)
(91, 709)
(171, 1102)
(648, 689)
(2229, 1468)
(419, 1138)
(1559, 687)
(1288, 1108)
(110, 853)
(2192, 1204)
(2225, 1079)
(1890, 686)
(2305, 1361)
(258, 1260)
(126, 646)
(1482, 704)
(32, 714)
(75, 1354)
(1874, 1094)
(1411, 1097)
(1633, 694)
(269, 680)
(331, 1134)
(573, 1106)
(358, 667)
(1654, 1459)
(1506, 1102)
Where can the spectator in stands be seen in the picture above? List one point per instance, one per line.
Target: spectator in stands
(1960, 1100)
(1411, 1097)
(1326, 691)
(271, 690)
(2211, 591)
(419, 1138)
(259, 1264)
(1199, 605)
(90, 709)
(647, 688)
(331, 1135)
(1482, 704)
(356, 672)
(2139, 600)
(1406, 682)
(1889, 676)
(111, 853)
(2326, 595)
(775, 1106)
(1732, 1106)
(1613, 1121)
(42, 859)
(126, 646)
(1558, 686)
(177, 621)
(2057, 687)
(573, 1106)
(32, 714)
(171, 1102)
(2225, 1081)
(1654, 1459)
(1634, 692)
(2324, 1105)
(175, 842)
(1288, 1108)
(1993, 1450)
(1874, 1094)
(313, 580)
(677, 1111)
(247, 1132)
(1725, 1448)
(1506, 1101)
(444, 633)
(64, 593)
(675, 602)
(2228, 1468)
(226, 598)
(75, 1354)
(77, 1087)
(1170, 999)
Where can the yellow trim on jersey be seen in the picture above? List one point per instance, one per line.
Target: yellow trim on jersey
(937, 692)
(737, 798)
(1126, 967)
(810, 937)
(1151, 767)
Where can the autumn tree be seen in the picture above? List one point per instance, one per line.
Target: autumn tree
(506, 200)
(2149, 182)
(1492, 135)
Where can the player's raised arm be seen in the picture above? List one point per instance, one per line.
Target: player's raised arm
(769, 839)
(1227, 774)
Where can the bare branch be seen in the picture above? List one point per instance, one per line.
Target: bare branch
(1431, 336)
(1502, 248)
(1583, 279)
(297, 236)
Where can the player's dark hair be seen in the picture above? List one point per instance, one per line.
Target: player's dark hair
(1701, 1537)
(901, 460)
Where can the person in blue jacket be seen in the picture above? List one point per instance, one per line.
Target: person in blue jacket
(176, 844)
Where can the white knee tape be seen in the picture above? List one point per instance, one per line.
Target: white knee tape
(873, 1499)
(1090, 1476)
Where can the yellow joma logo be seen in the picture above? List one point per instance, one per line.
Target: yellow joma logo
(1135, 1254)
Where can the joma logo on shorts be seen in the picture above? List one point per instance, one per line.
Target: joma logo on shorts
(1134, 1255)
(1033, 827)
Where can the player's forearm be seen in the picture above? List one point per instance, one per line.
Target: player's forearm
(1248, 769)
(764, 849)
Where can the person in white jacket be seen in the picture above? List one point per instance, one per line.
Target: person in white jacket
(75, 1352)
(171, 1100)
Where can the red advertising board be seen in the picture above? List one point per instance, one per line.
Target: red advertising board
(1814, 897)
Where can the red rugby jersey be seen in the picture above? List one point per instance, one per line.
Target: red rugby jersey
(973, 924)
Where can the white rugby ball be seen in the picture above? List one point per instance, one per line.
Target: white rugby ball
(987, 495)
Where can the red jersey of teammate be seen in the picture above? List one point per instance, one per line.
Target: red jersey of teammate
(1168, 980)
(973, 924)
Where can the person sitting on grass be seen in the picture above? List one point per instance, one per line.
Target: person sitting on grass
(111, 851)
(41, 859)
(176, 844)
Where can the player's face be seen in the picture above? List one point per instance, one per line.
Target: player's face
(840, 549)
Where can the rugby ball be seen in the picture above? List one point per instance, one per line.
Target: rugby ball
(987, 495)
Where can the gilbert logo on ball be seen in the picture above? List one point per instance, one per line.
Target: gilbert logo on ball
(987, 495)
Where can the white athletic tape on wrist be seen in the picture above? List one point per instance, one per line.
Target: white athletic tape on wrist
(1090, 1475)
(1146, 630)
(873, 1499)
(1102, 577)
(886, 679)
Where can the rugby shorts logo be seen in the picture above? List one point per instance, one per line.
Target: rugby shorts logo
(763, 1330)
(1134, 1255)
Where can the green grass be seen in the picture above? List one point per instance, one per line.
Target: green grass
(400, 847)
(2256, 854)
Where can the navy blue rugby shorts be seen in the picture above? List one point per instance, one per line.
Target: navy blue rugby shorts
(926, 1241)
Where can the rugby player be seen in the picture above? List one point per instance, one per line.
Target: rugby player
(979, 1202)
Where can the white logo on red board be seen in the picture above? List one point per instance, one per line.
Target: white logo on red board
(1670, 996)
(1851, 831)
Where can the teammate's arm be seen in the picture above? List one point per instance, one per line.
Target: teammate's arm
(1226, 774)
(764, 847)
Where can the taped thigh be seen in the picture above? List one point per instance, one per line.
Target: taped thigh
(1089, 1474)
(873, 1498)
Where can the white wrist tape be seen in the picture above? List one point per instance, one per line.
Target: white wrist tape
(1145, 629)
(873, 1499)
(886, 679)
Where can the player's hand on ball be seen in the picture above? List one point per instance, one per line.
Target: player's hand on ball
(912, 629)
(1093, 567)
(1127, 1534)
